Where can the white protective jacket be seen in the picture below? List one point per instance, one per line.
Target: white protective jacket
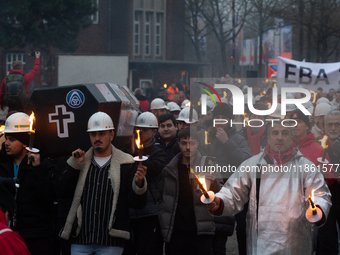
(282, 227)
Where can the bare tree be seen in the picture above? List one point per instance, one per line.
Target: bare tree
(195, 25)
(261, 19)
(218, 17)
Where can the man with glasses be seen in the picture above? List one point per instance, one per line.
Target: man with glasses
(328, 236)
(186, 225)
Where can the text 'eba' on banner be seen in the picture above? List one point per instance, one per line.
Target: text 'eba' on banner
(292, 73)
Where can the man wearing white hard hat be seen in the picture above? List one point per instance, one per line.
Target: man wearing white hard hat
(144, 221)
(174, 109)
(321, 110)
(34, 200)
(158, 107)
(184, 120)
(106, 184)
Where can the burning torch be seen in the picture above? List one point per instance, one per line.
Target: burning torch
(324, 146)
(140, 146)
(32, 133)
(207, 196)
(314, 100)
(246, 119)
(313, 213)
(2, 128)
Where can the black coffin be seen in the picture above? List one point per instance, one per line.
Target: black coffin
(62, 114)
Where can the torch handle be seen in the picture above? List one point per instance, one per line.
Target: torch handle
(323, 155)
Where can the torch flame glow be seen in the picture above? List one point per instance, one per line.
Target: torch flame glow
(202, 181)
(31, 119)
(269, 105)
(324, 142)
(138, 140)
(314, 96)
(206, 134)
(2, 128)
(246, 119)
(165, 85)
(225, 94)
(187, 104)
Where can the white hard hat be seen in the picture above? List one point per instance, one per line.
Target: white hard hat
(290, 96)
(322, 109)
(17, 123)
(158, 103)
(99, 121)
(290, 107)
(147, 120)
(322, 100)
(184, 115)
(211, 105)
(308, 104)
(173, 107)
(185, 103)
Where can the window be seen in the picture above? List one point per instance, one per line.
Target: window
(147, 34)
(95, 17)
(10, 57)
(158, 34)
(136, 34)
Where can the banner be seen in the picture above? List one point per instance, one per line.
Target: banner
(291, 73)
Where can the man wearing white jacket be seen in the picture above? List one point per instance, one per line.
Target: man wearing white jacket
(276, 221)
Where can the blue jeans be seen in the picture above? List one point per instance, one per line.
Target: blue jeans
(94, 249)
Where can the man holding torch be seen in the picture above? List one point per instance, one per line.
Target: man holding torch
(186, 225)
(105, 184)
(33, 217)
(278, 200)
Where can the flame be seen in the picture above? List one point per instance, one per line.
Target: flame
(312, 197)
(138, 140)
(198, 103)
(274, 85)
(314, 96)
(246, 119)
(202, 181)
(239, 80)
(264, 92)
(324, 142)
(165, 85)
(267, 80)
(269, 105)
(31, 119)
(225, 94)
(206, 135)
(2, 128)
(187, 104)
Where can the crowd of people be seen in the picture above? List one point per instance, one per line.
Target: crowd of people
(108, 201)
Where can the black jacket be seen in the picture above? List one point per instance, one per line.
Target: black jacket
(35, 195)
(155, 163)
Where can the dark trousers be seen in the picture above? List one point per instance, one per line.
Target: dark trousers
(327, 235)
(40, 246)
(143, 236)
(219, 243)
(241, 233)
(187, 243)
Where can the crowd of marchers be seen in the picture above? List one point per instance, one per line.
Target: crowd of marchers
(110, 202)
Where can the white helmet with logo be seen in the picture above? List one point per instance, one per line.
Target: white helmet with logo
(100, 121)
(147, 120)
(185, 114)
(322, 100)
(17, 123)
(173, 107)
(322, 109)
(158, 103)
(185, 103)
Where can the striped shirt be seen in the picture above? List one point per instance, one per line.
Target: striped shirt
(96, 207)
